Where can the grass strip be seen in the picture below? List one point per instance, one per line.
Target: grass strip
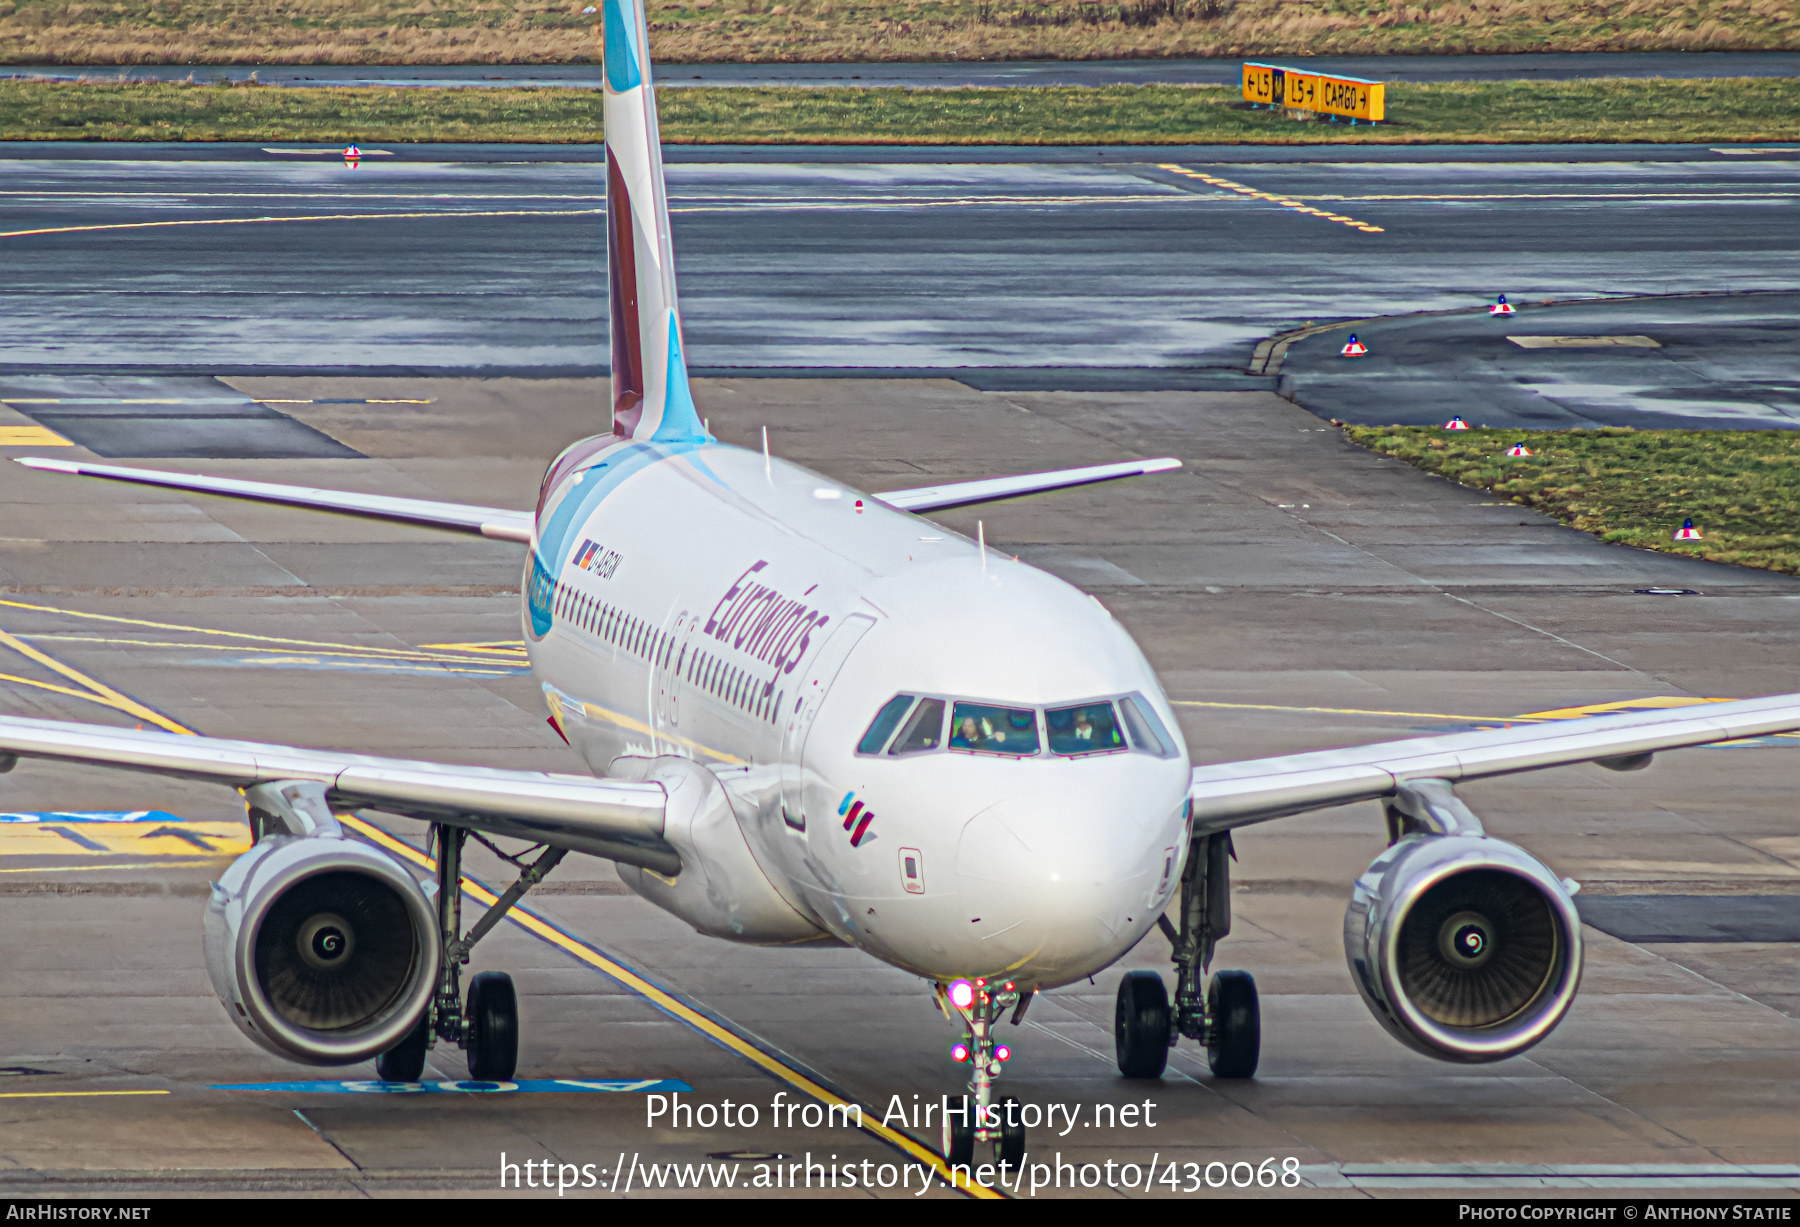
(1631, 487)
(782, 31)
(1721, 110)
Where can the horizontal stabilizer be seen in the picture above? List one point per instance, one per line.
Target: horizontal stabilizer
(992, 489)
(494, 522)
(1227, 795)
(620, 820)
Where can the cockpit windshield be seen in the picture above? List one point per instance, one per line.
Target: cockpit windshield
(1088, 729)
(994, 730)
(1124, 724)
(923, 730)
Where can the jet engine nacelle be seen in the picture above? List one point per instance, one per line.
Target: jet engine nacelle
(322, 949)
(1464, 947)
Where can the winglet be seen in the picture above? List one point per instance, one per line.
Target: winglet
(651, 397)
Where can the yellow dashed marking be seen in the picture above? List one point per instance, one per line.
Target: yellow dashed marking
(1271, 197)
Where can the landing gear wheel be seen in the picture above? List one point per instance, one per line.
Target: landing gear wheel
(959, 1138)
(1011, 1151)
(1236, 1040)
(493, 1022)
(1141, 1025)
(405, 1061)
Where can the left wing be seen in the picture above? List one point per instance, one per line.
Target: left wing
(493, 522)
(620, 820)
(991, 489)
(505, 525)
(1228, 795)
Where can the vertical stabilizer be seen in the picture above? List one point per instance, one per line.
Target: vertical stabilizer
(651, 398)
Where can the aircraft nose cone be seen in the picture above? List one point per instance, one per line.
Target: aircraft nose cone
(1049, 894)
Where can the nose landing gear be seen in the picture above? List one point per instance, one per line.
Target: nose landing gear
(1227, 1019)
(489, 1028)
(983, 1125)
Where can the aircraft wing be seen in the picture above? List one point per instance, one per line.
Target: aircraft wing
(1227, 795)
(992, 489)
(493, 522)
(616, 819)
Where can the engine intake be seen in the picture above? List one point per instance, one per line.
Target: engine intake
(322, 949)
(1464, 947)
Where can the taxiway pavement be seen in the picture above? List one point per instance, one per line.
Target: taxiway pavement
(1293, 591)
(1040, 268)
(1551, 66)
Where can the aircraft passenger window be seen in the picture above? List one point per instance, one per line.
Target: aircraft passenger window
(1089, 728)
(1147, 731)
(882, 727)
(923, 730)
(994, 730)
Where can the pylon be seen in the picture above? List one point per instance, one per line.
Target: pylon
(1687, 531)
(1501, 308)
(1456, 423)
(1518, 449)
(1353, 348)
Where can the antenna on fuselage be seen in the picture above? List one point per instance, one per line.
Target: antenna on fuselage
(768, 471)
(981, 540)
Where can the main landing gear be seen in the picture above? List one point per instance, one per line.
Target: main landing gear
(1227, 1020)
(983, 1129)
(488, 1026)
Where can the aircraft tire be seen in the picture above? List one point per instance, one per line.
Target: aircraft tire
(959, 1139)
(405, 1061)
(1012, 1136)
(1236, 1043)
(1141, 1025)
(493, 1021)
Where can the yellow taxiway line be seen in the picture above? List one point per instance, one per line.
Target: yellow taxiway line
(429, 653)
(308, 217)
(107, 694)
(71, 1094)
(540, 928)
(723, 1036)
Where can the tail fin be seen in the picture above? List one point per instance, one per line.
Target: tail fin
(651, 398)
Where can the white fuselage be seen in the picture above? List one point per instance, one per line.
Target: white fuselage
(705, 602)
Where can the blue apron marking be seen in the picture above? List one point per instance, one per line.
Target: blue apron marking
(136, 815)
(524, 1086)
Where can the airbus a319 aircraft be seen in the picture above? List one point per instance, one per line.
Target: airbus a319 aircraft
(792, 742)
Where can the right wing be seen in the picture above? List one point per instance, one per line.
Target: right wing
(616, 819)
(992, 489)
(493, 522)
(1227, 795)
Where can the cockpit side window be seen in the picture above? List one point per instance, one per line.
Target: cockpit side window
(883, 724)
(1147, 731)
(994, 730)
(1089, 728)
(923, 730)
